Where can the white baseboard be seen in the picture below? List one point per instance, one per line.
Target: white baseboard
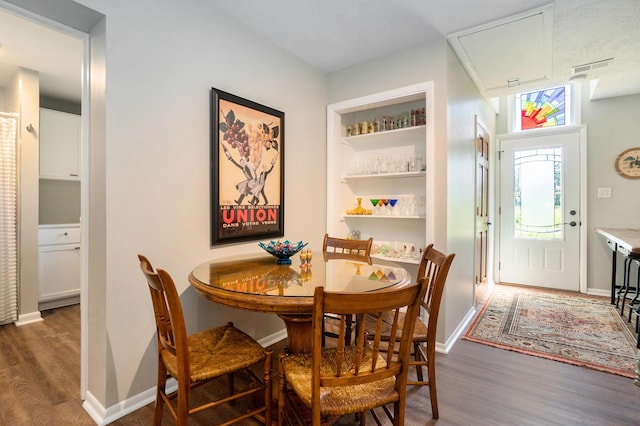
(95, 410)
(273, 338)
(103, 416)
(59, 303)
(446, 347)
(29, 318)
(599, 292)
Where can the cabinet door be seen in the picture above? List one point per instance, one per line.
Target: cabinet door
(59, 145)
(59, 271)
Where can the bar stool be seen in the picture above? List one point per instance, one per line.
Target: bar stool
(636, 296)
(623, 292)
(636, 312)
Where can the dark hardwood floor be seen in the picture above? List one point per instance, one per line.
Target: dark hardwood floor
(477, 385)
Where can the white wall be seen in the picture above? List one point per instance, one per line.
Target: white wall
(162, 60)
(464, 104)
(22, 97)
(612, 127)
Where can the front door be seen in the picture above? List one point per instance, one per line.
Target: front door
(540, 209)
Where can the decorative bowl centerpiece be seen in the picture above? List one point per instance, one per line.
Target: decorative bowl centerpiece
(282, 250)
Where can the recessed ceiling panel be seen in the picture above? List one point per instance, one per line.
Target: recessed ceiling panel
(515, 49)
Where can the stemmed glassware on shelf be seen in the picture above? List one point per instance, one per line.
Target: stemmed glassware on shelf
(374, 203)
(392, 204)
(385, 206)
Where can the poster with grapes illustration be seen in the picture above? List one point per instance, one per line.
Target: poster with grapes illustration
(247, 170)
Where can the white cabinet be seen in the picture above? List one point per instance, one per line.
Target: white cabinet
(388, 169)
(58, 261)
(59, 145)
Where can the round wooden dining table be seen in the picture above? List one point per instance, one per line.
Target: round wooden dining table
(255, 282)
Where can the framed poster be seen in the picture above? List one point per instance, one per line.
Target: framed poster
(247, 170)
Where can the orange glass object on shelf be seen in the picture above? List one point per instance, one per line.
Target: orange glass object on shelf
(359, 210)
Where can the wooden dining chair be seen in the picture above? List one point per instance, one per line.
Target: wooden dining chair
(346, 246)
(334, 381)
(352, 250)
(201, 357)
(434, 268)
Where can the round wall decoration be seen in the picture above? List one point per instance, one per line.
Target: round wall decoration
(628, 163)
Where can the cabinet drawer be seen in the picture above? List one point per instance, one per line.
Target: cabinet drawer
(58, 235)
(623, 251)
(58, 271)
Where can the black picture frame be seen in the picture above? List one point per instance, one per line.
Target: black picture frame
(247, 170)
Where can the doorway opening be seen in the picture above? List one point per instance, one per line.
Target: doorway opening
(88, 25)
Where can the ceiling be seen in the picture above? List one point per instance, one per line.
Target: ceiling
(56, 55)
(535, 42)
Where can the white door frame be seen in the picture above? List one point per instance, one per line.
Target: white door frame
(84, 173)
(582, 130)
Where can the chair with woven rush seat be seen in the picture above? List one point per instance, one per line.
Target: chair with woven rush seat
(334, 381)
(201, 357)
(434, 268)
(346, 246)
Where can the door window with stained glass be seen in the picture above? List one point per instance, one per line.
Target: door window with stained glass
(537, 193)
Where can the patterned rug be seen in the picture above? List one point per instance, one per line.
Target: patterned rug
(567, 327)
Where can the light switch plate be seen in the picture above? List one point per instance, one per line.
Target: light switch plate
(604, 192)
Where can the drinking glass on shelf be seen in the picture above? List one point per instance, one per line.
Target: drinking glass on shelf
(408, 206)
(362, 167)
(410, 163)
(390, 164)
(420, 205)
(420, 164)
(351, 167)
(379, 164)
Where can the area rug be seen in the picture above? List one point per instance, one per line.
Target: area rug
(567, 327)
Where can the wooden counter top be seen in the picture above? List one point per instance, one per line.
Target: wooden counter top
(628, 239)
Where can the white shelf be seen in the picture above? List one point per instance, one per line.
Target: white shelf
(400, 175)
(379, 216)
(397, 259)
(397, 136)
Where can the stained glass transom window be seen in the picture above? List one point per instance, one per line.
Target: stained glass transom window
(544, 108)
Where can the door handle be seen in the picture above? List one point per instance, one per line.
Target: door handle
(572, 223)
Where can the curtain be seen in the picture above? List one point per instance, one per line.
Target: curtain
(8, 219)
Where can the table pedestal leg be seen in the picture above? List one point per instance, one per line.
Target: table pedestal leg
(299, 332)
